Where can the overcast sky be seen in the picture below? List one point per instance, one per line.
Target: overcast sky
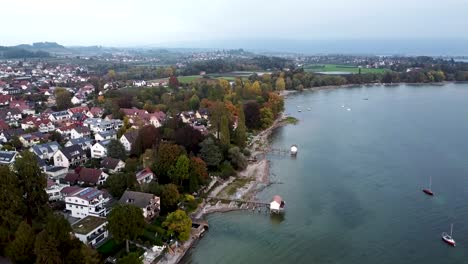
(152, 22)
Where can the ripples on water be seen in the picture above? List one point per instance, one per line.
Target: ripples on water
(354, 192)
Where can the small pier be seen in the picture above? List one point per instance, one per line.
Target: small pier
(276, 206)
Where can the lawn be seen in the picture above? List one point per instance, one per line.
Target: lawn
(110, 248)
(236, 184)
(188, 79)
(340, 68)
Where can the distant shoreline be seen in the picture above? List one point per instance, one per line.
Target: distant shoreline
(285, 93)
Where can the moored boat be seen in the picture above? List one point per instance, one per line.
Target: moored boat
(448, 238)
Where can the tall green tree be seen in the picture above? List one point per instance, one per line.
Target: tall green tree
(166, 158)
(12, 207)
(116, 150)
(267, 117)
(210, 152)
(178, 224)
(225, 137)
(181, 170)
(194, 102)
(46, 249)
(126, 222)
(238, 159)
(240, 136)
(21, 249)
(32, 183)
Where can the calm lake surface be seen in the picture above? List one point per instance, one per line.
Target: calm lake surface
(353, 193)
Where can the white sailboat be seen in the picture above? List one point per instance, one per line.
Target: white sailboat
(448, 238)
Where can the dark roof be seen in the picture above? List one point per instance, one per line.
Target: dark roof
(13, 111)
(109, 163)
(71, 177)
(6, 157)
(13, 132)
(73, 151)
(82, 130)
(86, 175)
(138, 199)
(131, 136)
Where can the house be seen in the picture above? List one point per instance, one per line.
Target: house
(70, 156)
(60, 116)
(95, 112)
(24, 107)
(42, 125)
(54, 189)
(105, 135)
(65, 131)
(78, 118)
(86, 176)
(99, 150)
(7, 157)
(147, 202)
(112, 165)
(45, 151)
(7, 135)
(277, 204)
(145, 176)
(128, 139)
(11, 116)
(99, 125)
(84, 142)
(5, 99)
(78, 98)
(32, 139)
(87, 201)
(55, 172)
(79, 132)
(78, 109)
(91, 230)
(4, 125)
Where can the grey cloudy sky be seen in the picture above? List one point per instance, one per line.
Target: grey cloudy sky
(149, 22)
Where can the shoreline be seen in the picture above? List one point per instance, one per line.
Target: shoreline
(260, 168)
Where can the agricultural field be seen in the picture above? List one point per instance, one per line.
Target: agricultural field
(345, 69)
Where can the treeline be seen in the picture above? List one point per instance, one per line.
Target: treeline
(19, 53)
(229, 65)
(30, 232)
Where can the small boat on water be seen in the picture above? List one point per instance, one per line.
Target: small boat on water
(448, 238)
(428, 191)
(342, 106)
(309, 109)
(349, 109)
(299, 110)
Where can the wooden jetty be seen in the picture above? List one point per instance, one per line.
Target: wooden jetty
(249, 202)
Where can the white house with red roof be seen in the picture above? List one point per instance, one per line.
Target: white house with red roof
(145, 176)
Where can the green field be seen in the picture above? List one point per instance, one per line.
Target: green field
(340, 68)
(188, 79)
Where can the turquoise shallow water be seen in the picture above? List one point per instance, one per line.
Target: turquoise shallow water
(354, 191)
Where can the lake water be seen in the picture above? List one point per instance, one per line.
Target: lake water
(353, 193)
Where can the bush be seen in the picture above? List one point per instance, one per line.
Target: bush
(226, 170)
(247, 152)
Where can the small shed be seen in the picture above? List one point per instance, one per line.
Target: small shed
(277, 204)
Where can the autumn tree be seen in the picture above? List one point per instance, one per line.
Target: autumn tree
(178, 224)
(166, 157)
(280, 84)
(62, 99)
(126, 222)
(252, 115)
(210, 152)
(169, 197)
(189, 138)
(173, 82)
(147, 138)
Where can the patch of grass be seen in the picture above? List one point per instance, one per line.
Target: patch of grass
(290, 120)
(188, 79)
(236, 184)
(341, 68)
(110, 248)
